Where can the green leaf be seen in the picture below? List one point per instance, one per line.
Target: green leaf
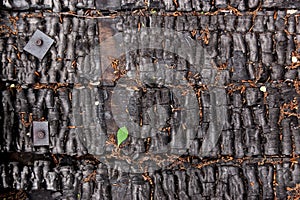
(153, 11)
(122, 135)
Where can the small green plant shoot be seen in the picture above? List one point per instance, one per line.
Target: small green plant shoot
(122, 135)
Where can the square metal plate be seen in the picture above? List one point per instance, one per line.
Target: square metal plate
(39, 44)
(40, 133)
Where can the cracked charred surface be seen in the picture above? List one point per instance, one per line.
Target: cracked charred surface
(251, 45)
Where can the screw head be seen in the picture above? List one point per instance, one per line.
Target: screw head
(40, 134)
(39, 42)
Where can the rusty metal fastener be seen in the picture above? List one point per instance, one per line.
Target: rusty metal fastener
(41, 134)
(39, 42)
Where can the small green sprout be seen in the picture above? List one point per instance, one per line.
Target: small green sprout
(153, 11)
(122, 135)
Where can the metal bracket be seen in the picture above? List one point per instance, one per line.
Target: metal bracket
(40, 133)
(39, 44)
